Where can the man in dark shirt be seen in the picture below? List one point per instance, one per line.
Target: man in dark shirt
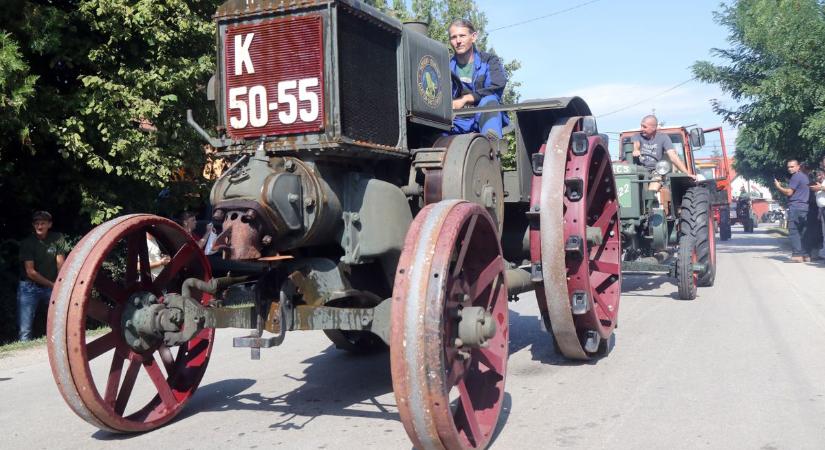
(41, 255)
(798, 193)
(649, 147)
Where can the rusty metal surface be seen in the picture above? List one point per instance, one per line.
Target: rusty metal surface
(598, 272)
(593, 275)
(426, 364)
(103, 404)
(552, 232)
(242, 8)
(239, 239)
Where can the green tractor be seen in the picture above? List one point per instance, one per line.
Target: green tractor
(670, 231)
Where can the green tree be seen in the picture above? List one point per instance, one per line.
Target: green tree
(775, 70)
(99, 89)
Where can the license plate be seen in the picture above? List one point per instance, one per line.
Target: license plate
(274, 77)
(733, 214)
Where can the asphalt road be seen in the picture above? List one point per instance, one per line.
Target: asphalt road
(742, 366)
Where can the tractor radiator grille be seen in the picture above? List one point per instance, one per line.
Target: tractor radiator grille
(368, 81)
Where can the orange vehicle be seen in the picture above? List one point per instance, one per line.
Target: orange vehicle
(712, 162)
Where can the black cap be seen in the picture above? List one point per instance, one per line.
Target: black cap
(41, 215)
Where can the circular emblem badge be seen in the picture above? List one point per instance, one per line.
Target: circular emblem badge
(429, 81)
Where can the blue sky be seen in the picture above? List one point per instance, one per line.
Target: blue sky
(614, 53)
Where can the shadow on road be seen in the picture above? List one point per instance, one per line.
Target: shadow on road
(527, 331)
(333, 382)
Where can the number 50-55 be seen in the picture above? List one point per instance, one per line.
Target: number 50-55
(255, 110)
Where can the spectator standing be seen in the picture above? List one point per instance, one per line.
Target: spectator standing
(812, 240)
(818, 189)
(189, 222)
(41, 255)
(157, 259)
(798, 193)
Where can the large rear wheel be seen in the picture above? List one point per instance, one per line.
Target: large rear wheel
(576, 241)
(449, 335)
(108, 380)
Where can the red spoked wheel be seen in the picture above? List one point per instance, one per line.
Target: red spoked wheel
(449, 336)
(103, 378)
(575, 197)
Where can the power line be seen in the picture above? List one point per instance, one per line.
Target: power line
(648, 98)
(555, 13)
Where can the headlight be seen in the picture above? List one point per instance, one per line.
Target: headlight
(663, 167)
(700, 177)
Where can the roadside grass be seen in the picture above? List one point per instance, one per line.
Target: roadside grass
(7, 349)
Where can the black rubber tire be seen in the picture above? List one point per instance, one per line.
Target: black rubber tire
(356, 342)
(684, 268)
(724, 224)
(695, 217)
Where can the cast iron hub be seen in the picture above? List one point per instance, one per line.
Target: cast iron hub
(475, 327)
(145, 320)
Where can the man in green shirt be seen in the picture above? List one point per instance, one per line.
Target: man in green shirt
(41, 255)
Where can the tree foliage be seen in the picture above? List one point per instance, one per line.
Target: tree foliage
(92, 99)
(92, 96)
(775, 70)
(438, 14)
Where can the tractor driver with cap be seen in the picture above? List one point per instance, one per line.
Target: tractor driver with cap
(649, 147)
(479, 80)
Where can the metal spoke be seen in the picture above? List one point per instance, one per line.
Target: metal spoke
(101, 345)
(606, 267)
(465, 243)
(109, 288)
(126, 387)
(598, 278)
(486, 277)
(164, 391)
(494, 293)
(490, 360)
(179, 261)
(113, 382)
(607, 214)
(597, 181)
(167, 359)
(98, 310)
(469, 412)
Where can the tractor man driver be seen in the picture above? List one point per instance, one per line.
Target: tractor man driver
(482, 80)
(649, 147)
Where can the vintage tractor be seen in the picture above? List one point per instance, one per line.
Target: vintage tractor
(712, 163)
(741, 212)
(349, 209)
(672, 230)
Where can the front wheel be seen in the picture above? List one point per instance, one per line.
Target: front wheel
(116, 381)
(696, 220)
(449, 334)
(685, 275)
